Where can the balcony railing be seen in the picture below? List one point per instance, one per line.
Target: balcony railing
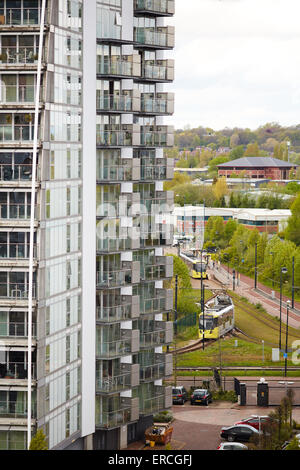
(15, 409)
(116, 66)
(160, 7)
(113, 383)
(16, 370)
(163, 103)
(162, 400)
(19, 16)
(16, 250)
(16, 133)
(112, 314)
(15, 291)
(128, 411)
(15, 211)
(122, 103)
(114, 173)
(114, 278)
(152, 372)
(161, 70)
(19, 55)
(157, 137)
(19, 94)
(114, 138)
(156, 37)
(16, 330)
(15, 172)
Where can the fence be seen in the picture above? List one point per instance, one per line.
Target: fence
(187, 321)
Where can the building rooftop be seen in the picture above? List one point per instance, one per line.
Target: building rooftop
(254, 162)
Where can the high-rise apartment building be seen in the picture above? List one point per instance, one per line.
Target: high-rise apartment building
(83, 353)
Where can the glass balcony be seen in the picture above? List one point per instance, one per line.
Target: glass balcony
(155, 7)
(162, 136)
(15, 409)
(18, 251)
(162, 269)
(127, 378)
(159, 402)
(119, 138)
(162, 104)
(162, 302)
(16, 133)
(127, 412)
(159, 337)
(159, 70)
(128, 343)
(128, 273)
(16, 330)
(126, 205)
(119, 103)
(119, 67)
(22, 94)
(19, 16)
(15, 291)
(127, 311)
(15, 172)
(16, 370)
(20, 55)
(15, 211)
(161, 368)
(160, 38)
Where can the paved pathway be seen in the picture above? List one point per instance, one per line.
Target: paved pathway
(246, 289)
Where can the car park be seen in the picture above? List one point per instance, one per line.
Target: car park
(179, 395)
(240, 432)
(255, 421)
(201, 396)
(232, 446)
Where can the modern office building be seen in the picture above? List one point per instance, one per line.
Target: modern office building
(83, 309)
(267, 168)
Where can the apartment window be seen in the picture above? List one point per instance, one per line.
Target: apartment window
(68, 349)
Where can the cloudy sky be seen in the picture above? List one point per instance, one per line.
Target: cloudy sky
(237, 63)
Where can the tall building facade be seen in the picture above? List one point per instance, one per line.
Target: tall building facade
(82, 135)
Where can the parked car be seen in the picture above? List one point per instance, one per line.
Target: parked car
(179, 395)
(255, 421)
(201, 396)
(241, 432)
(232, 446)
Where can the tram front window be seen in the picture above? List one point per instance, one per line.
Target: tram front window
(208, 323)
(198, 267)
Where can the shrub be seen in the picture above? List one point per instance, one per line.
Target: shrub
(221, 395)
(163, 417)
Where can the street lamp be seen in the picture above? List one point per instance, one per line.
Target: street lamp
(272, 254)
(282, 271)
(286, 337)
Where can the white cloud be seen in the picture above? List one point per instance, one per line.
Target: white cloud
(237, 62)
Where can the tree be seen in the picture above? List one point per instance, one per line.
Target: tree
(234, 140)
(252, 150)
(237, 152)
(39, 442)
(220, 189)
(293, 228)
(181, 270)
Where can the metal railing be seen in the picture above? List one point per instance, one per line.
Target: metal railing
(15, 291)
(116, 313)
(153, 305)
(152, 405)
(108, 245)
(16, 370)
(16, 330)
(19, 55)
(154, 272)
(19, 16)
(114, 278)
